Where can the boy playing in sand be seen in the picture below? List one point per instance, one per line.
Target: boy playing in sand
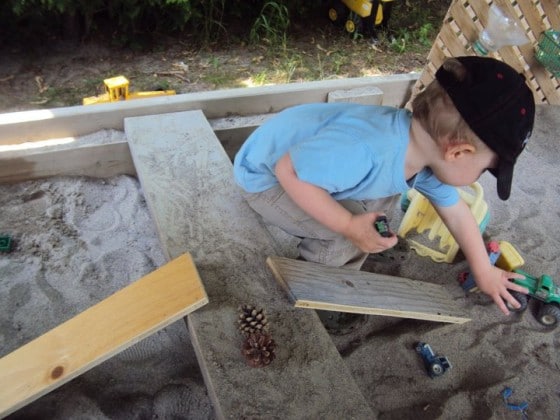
(325, 172)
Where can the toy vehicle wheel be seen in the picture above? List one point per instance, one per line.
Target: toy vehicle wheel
(549, 315)
(337, 12)
(436, 369)
(521, 298)
(353, 23)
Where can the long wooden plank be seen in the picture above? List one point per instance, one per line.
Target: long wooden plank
(317, 286)
(98, 161)
(100, 332)
(17, 127)
(187, 180)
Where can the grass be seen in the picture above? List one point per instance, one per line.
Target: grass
(339, 55)
(304, 50)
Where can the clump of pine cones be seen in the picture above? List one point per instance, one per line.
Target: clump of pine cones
(258, 345)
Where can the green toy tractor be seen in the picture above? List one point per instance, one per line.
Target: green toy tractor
(361, 16)
(543, 289)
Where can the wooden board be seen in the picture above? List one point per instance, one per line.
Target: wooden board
(24, 126)
(187, 179)
(318, 286)
(98, 161)
(100, 332)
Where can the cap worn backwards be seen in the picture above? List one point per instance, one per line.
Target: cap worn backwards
(498, 106)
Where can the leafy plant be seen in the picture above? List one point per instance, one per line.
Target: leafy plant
(271, 24)
(425, 34)
(261, 78)
(400, 41)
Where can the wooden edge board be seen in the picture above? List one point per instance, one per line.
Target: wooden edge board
(23, 126)
(98, 333)
(102, 160)
(316, 286)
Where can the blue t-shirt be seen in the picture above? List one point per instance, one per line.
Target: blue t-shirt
(352, 151)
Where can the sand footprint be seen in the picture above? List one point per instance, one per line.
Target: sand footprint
(183, 400)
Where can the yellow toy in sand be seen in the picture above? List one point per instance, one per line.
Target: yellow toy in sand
(421, 216)
(509, 258)
(116, 89)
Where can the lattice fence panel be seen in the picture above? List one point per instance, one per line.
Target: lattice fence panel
(464, 21)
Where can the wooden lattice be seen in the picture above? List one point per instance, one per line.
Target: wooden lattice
(466, 18)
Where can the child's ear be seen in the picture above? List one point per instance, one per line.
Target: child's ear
(457, 150)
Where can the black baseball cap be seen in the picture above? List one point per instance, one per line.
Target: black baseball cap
(498, 106)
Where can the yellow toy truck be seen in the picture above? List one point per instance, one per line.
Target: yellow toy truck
(361, 16)
(116, 89)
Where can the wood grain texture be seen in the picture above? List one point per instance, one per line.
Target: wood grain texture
(114, 324)
(187, 179)
(317, 286)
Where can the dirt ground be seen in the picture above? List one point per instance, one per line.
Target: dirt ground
(60, 73)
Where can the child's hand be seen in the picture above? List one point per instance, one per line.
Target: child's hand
(361, 231)
(496, 284)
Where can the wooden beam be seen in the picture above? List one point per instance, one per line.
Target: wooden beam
(98, 161)
(318, 286)
(187, 179)
(77, 121)
(100, 332)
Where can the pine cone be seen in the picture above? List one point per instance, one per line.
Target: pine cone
(258, 349)
(252, 320)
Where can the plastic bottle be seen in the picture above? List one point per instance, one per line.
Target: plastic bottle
(502, 30)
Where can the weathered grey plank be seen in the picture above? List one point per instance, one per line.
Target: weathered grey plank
(99, 161)
(317, 286)
(16, 127)
(187, 180)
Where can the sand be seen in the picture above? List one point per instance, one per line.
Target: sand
(78, 240)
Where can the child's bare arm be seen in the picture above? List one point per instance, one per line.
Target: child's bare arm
(322, 207)
(491, 280)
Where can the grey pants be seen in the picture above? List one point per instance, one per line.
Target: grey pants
(318, 244)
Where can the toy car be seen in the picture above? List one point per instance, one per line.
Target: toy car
(363, 16)
(116, 89)
(435, 365)
(5, 243)
(382, 226)
(541, 288)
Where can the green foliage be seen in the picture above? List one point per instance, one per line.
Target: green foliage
(425, 34)
(271, 24)
(135, 23)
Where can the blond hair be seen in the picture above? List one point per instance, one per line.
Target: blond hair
(436, 113)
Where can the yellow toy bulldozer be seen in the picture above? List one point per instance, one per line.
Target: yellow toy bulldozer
(116, 89)
(361, 16)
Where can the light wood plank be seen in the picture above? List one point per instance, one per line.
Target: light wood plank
(100, 332)
(98, 161)
(187, 179)
(318, 286)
